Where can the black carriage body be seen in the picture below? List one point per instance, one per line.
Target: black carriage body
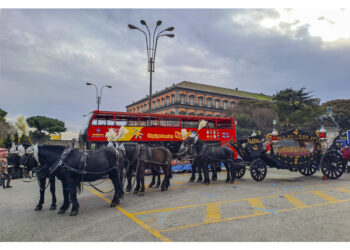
(295, 150)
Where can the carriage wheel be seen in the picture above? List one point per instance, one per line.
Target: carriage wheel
(331, 164)
(239, 168)
(258, 170)
(308, 170)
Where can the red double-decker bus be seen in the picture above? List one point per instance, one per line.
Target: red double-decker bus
(154, 129)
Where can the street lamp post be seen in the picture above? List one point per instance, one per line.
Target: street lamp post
(151, 45)
(98, 96)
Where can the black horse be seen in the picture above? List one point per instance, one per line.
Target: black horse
(73, 167)
(30, 164)
(204, 155)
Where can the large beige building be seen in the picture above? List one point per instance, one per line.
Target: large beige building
(189, 98)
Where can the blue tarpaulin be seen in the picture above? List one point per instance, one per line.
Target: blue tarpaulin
(186, 167)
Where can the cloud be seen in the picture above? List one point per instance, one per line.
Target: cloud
(47, 56)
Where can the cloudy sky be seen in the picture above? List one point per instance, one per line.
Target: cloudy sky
(47, 55)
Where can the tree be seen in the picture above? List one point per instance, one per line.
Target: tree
(253, 115)
(44, 124)
(299, 107)
(5, 129)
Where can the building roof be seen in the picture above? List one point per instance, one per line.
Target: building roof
(220, 90)
(211, 89)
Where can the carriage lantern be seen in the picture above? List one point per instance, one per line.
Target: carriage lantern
(322, 133)
(274, 134)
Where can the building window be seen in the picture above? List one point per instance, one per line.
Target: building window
(191, 100)
(217, 103)
(232, 104)
(138, 109)
(158, 103)
(167, 100)
(209, 102)
(173, 99)
(163, 103)
(200, 101)
(182, 99)
(225, 104)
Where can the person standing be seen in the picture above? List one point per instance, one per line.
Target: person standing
(346, 156)
(3, 168)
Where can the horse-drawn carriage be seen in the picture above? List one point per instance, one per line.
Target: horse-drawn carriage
(295, 150)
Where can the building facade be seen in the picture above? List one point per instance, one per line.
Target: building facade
(189, 98)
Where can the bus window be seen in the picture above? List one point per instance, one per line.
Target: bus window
(127, 121)
(170, 121)
(103, 120)
(225, 124)
(110, 123)
(148, 121)
(189, 123)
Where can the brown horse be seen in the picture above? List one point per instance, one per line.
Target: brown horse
(155, 158)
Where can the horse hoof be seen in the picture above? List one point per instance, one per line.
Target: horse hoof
(61, 211)
(73, 213)
(227, 181)
(38, 208)
(213, 179)
(232, 181)
(127, 190)
(199, 180)
(135, 192)
(191, 180)
(157, 186)
(53, 207)
(141, 194)
(114, 204)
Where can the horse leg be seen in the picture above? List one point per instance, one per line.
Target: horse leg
(65, 204)
(158, 178)
(115, 180)
(228, 170)
(193, 170)
(136, 190)
(42, 184)
(214, 176)
(129, 178)
(199, 167)
(153, 180)
(205, 172)
(233, 170)
(142, 182)
(72, 187)
(53, 193)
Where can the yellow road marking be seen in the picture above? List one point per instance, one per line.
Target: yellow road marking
(154, 232)
(342, 189)
(213, 212)
(327, 197)
(257, 203)
(246, 216)
(296, 202)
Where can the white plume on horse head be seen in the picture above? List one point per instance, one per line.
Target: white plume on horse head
(122, 131)
(22, 126)
(183, 133)
(202, 124)
(111, 135)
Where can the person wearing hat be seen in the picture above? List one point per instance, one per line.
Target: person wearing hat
(3, 168)
(346, 156)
